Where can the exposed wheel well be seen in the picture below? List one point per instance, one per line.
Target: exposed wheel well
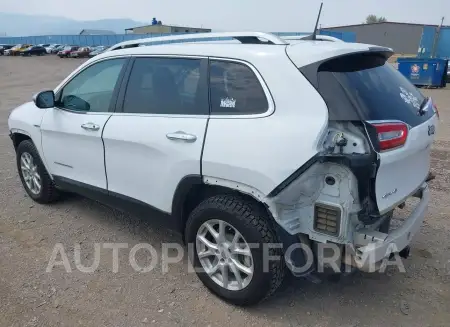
(192, 194)
(198, 193)
(18, 138)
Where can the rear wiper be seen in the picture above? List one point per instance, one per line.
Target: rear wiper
(422, 109)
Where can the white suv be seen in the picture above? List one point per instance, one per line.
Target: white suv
(240, 147)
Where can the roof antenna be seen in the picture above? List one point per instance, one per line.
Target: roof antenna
(313, 36)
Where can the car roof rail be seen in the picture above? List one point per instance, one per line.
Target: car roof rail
(307, 38)
(243, 37)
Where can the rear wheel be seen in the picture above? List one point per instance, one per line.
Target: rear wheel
(35, 178)
(229, 236)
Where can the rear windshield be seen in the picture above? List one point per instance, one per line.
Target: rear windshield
(372, 87)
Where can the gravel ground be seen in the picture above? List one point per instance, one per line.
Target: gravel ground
(29, 296)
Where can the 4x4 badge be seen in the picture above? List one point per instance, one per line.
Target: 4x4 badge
(389, 193)
(431, 129)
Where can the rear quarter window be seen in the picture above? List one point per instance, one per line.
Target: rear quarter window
(235, 89)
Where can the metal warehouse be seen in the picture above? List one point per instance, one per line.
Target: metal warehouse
(404, 38)
(160, 28)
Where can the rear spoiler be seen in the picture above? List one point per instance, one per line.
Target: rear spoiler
(384, 51)
(310, 71)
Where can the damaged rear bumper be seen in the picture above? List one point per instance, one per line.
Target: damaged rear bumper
(372, 247)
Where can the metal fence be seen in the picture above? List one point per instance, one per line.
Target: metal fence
(91, 40)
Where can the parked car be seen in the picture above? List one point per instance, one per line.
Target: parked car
(214, 140)
(33, 50)
(4, 47)
(51, 47)
(67, 50)
(82, 52)
(8, 52)
(44, 45)
(97, 50)
(58, 48)
(15, 50)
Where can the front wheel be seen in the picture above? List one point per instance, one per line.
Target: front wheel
(35, 178)
(235, 249)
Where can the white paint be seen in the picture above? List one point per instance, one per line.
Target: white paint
(405, 168)
(71, 151)
(262, 152)
(142, 163)
(304, 53)
(26, 120)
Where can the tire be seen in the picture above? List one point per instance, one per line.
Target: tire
(252, 222)
(48, 192)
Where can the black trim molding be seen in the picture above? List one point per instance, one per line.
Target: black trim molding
(119, 201)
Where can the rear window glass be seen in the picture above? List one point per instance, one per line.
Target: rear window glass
(373, 87)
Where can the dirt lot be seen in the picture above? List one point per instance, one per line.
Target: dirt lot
(29, 296)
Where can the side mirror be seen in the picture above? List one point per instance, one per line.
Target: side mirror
(44, 99)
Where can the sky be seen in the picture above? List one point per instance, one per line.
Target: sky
(263, 15)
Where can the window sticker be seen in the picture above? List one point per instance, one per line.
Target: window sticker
(409, 98)
(228, 103)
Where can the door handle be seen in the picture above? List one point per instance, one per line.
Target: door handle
(180, 135)
(90, 126)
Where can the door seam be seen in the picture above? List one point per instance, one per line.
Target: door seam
(104, 153)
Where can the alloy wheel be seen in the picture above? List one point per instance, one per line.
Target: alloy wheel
(224, 254)
(30, 173)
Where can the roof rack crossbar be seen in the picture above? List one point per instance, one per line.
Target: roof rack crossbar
(243, 37)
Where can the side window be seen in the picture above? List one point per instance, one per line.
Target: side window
(235, 90)
(92, 89)
(166, 86)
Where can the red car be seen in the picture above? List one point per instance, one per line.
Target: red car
(82, 52)
(67, 50)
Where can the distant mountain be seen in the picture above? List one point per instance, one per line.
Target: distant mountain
(26, 25)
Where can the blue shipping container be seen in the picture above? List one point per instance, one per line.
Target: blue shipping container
(424, 71)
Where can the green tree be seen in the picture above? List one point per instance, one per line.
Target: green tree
(374, 19)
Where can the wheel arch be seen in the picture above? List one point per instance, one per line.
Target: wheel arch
(193, 189)
(18, 137)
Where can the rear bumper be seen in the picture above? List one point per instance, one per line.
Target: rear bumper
(371, 247)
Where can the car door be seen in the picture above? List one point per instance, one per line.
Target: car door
(157, 138)
(72, 131)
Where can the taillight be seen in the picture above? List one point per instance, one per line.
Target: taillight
(391, 135)
(436, 110)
